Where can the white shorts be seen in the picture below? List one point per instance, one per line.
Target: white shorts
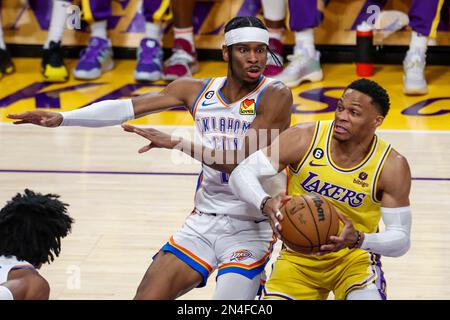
(231, 244)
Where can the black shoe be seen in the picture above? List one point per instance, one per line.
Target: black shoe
(52, 67)
(6, 63)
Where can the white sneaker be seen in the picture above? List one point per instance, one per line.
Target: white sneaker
(302, 67)
(389, 22)
(414, 82)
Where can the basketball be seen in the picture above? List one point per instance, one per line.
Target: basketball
(309, 221)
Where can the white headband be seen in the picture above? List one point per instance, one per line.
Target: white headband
(246, 34)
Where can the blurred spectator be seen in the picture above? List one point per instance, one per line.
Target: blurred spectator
(274, 12)
(304, 63)
(52, 67)
(183, 61)
(424, 18)
(98, 55)
(6, 63)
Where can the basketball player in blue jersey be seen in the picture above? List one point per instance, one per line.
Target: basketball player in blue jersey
(31, 228)
(222, 232)
(360, 174)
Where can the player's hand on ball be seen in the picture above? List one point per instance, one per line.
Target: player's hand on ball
(272, 210)
(157, 138)
(38, 117)
(347, 238)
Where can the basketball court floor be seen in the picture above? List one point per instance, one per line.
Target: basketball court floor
(126, 205)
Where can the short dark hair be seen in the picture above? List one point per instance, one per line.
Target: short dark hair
(379, 95)
(242, 22)
(32, 225)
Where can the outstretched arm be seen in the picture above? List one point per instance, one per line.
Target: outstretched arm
(273, 116)
(113, 112)
(245, 181)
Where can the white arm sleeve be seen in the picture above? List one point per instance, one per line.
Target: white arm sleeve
(394, 241)
(5, 294)
(245, 178)
(100, 114)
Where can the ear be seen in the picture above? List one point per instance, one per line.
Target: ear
(379, 121)
(225, 55)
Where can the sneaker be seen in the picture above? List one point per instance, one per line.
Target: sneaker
(183, 61)
(6, 63)
(52, 66)
(388, 22)
(272, 69)
(95, 59)
(414, 82)
(149, 65)
(302, 67)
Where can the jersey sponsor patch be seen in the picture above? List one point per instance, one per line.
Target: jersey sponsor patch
(247, 107)
(241, 255)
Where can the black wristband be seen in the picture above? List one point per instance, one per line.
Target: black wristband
(358, 239)
(263, 203)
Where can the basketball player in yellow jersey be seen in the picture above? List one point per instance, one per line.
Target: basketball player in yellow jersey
(363, 177)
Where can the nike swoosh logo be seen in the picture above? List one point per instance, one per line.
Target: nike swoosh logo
(312, 164)
(204, 104)
(259, 221)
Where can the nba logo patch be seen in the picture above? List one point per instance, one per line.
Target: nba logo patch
(247, 107)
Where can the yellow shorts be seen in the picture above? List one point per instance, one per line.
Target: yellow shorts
(310, 277)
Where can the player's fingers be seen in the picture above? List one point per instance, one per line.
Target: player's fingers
(144, 133)
(21, 122)
(275, 223)
(322, 252)
(128, 127)
(272, 225)
(327, 247)
(16, 115)
(279, 216)
(152, 131)
(145, 148)
(335, 239)
(277, 229)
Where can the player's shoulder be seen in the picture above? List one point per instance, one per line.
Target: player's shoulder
(186, 89)
(396, 166)
(189, 82)
(302, 131)
(41, 288)
(38, 287)
(305, 127)
(28, 284)
(395, 158)
(277, 88)
(276, 94)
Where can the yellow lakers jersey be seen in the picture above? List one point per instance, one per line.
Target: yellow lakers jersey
(351, 190)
